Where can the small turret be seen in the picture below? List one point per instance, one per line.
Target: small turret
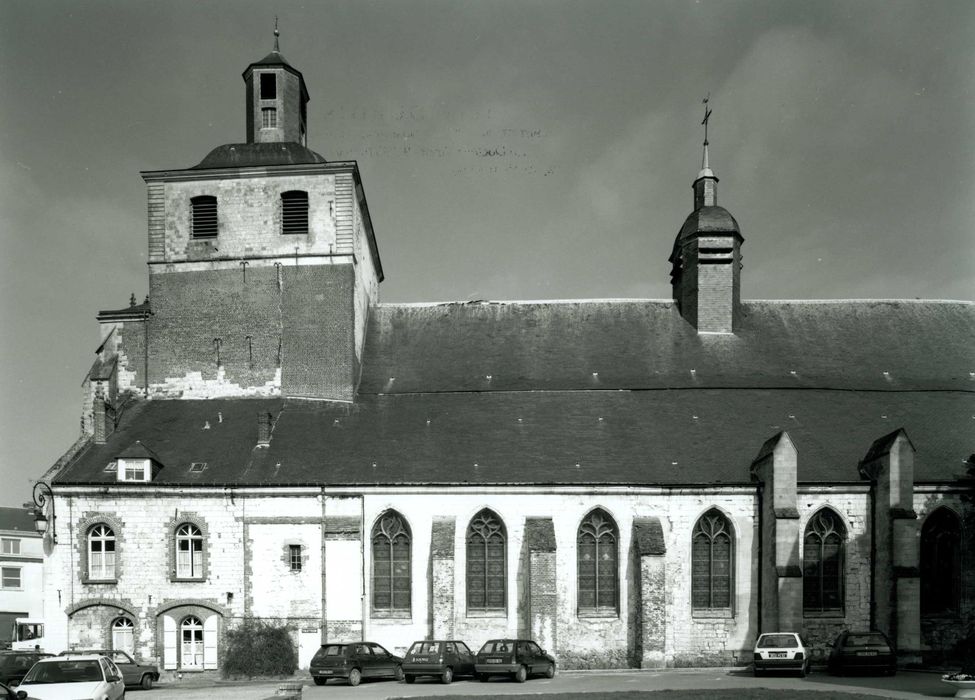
(276, 99)
(706, 258)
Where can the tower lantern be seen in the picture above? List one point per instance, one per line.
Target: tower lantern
(276, 99)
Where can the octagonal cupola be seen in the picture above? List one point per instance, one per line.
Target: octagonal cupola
(276, 100)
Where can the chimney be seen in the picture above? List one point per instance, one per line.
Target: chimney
(263, 429)
(98, 420)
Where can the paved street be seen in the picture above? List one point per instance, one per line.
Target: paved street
(904, 685)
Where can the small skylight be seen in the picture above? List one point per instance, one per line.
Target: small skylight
(111, 466)
(197, 467)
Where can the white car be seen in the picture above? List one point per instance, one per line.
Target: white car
(87, 676)
(781, 651)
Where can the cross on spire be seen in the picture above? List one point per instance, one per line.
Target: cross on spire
(277, 49)
(705, 164)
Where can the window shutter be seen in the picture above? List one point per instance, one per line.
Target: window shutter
(169, 642)
(210, 642)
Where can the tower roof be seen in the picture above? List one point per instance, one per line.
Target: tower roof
(709, 220)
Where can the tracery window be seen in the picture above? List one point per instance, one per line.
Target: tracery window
(822, 563)
(189, 551)
(940, 563)
(101, 553)
(712, 558)
(486, 547)
(598, 569)
(391, 580)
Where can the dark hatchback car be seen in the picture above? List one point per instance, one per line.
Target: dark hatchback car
(445, 659)
(862, 651)
(353, 662)
(518, 658)
(14, 665)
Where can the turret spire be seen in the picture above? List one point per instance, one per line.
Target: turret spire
(705, 186)
(705, 160)
(277, 49)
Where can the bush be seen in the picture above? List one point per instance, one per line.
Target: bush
(259, 648)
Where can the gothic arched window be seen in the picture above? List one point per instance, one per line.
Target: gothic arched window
(391, 580)
(486, 562)
(101, 553)
(822, 563)
(598, 570)
(712, 558)
(940, 563)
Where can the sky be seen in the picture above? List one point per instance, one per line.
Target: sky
(509, 149)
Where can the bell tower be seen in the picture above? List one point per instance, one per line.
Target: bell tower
(276, 99)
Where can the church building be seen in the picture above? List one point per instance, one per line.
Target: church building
(631, 483)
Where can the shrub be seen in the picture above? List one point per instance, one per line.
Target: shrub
(259, 648)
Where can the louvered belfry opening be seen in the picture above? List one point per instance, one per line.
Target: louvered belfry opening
(294, 212)
(204, 216)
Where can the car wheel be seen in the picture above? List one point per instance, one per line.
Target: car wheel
(483, 677)
(550, 671)
(448, 676)
(804, 671)
(146, 682)
(320, 681)
(399, 673)
(355, 677)
(521, 675)
(409, 678)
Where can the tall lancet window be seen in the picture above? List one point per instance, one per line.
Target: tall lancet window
(941, 563)
(712, 560)
(597, 544)
(486, 562)
(822, 563)
(391, 580)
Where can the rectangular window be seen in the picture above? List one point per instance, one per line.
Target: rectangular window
(294, 212)
(269, 118)
(133, 470)
(204, 216)
(269, 86)
(294, 552)
(10, 577)
(9, 546)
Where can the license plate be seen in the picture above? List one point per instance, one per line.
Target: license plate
(866, 653)
(777, 654)
(494, 661)
(325, 673)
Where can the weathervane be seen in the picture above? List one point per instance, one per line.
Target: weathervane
(276, 35)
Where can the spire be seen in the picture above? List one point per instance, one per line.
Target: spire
(277, 49)
(705, 160)
(705, 186)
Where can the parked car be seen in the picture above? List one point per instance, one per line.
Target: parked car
(518, 658)
(780, 651)
(15, 664)
(445, 659)
(862, 651)
(133, 672)
(73, 677)
(353, 662)
(7, 693)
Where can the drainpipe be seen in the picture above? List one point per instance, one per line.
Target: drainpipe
(761, 561)
(362, 540)
(324, 636)
(873, 552)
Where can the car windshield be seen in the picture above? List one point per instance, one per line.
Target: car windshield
(425, 648)
(497, 646)
(865, 640)
(87, 671)
(779, 641)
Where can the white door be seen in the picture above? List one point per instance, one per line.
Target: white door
(123, 636)
(191, 643)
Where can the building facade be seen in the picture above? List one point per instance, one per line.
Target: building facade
(632, 483)
(21, 572)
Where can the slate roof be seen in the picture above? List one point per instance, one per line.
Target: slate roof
(17, 519)
(242, 155)
(709, 220)
(591, 392)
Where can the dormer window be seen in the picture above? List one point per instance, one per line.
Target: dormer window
(204, 216)
(134, 470)
(294, 212)
(269, 118)
(269, 86)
